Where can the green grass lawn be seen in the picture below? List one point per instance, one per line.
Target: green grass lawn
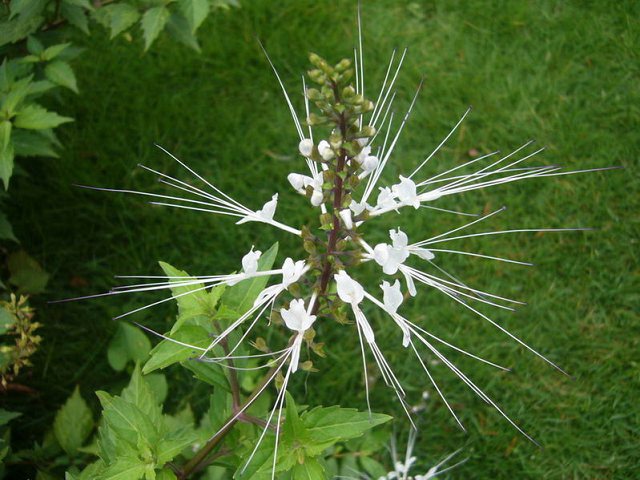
(564, 73)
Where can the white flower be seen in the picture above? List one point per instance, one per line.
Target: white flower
(306, 147)
(349, 290)
(345, 215)
(358, 208)
(392, 296)
(292, 271)
(370, 163)
(325, 150)
(390, 257)
(265, 214)
(316, 198)
(422, 253)
(296, 317)
(250, 261)
(299, 182)
(405, 191)
(385, 199)
(362, 156)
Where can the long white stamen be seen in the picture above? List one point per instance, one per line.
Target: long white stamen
(441, 143)
(284, 91)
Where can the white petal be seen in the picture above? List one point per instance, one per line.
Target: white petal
(349, 290)
(316, 198)
(306, 147)
(392, 297)
(325, 150)
(345, 215)
(250, 261)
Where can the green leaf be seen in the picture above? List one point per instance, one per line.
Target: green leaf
(121, 16)
(311, 469)
(92, 471)
(334, 424)
(26, 273)
(195, 11)
(374, 468)
(125, 468)
(241, 297)
(6, 416)
(140, 394)
(178, 28)
(193, 300)
(6, 164)
(54, 50)
(32, 143)
(34, 45)
(26, 8)
(166, 474)
(153, 22)
(73, 423)
(167, 352)
(158, 384)
(173, 443)
(7, 320)
(35, 117)
(76, 16)
(60, 73)
(17, 91)
(5, 134)
(293, 427)
(127, 421)
(128, 344)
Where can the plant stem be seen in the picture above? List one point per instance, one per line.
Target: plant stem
(193, 465)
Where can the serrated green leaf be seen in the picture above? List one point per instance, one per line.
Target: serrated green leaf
(311, 469)
(5, 134)
(6, 416)
(158, 384)
(153, 22)
(32, 143)
(121, 16)
(26, 9)
(40, 86)
(127, 421)
(140, 394)
(166, 474)
(374, 468)
(60, 73)
(6, 164)
(240, 297)
(92, 471)
(207, 372)
(334, 424)
(178, 28)
(293, 427)
(26, 273)
(54, 50)
(167, 352)
(173, 443)
(128, 344)
(125, 468)
(76, 16)
(35, 117)
(193, 300)
(73, 423)
(195, 11)
(34, 45)
(18, 90)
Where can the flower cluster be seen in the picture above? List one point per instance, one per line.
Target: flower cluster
(345, 172)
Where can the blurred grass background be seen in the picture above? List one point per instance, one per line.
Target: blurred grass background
(566, 73)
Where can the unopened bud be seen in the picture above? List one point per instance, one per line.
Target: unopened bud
(305, 147)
